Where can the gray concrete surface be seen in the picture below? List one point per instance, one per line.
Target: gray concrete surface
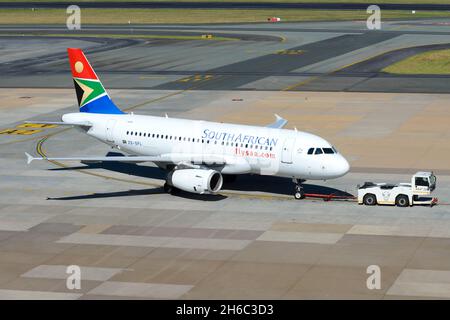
(254, 240)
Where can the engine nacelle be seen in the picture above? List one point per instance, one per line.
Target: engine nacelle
(196, 180)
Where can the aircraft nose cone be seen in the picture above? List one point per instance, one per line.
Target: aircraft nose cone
(344, 166)
(339, 168)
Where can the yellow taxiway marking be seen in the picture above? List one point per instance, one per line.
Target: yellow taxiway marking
(37, 125)
(19, 131)
(196, 78)
(290, 52)
(298, 84)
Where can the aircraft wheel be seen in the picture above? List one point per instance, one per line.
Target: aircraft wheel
(299, 194)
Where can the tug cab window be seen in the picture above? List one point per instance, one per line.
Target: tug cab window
(420, 181)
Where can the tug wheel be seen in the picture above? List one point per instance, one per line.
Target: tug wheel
(402, 201)
(370, 199)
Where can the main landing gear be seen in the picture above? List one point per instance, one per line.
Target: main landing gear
(170, 189)
(299, 192)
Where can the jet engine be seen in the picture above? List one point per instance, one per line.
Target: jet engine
(196, 180)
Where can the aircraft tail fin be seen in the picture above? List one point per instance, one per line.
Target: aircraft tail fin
(92, 96)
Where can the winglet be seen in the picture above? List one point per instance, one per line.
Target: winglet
(279, 122)
(29, 157)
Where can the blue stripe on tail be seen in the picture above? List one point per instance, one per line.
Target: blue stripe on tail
(101, 105)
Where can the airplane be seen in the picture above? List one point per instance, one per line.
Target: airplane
(197, 155)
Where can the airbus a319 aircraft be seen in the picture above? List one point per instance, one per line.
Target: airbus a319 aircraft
(196, 154)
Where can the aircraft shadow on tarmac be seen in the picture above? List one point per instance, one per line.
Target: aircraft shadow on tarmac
(246, 182)
(141, 192)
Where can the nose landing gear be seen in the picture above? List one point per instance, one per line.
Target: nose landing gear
(299, 192)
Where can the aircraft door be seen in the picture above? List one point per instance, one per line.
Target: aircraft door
(288, 146)
(109, 130)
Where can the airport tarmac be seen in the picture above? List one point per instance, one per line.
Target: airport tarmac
(314, 56)
(253, 240)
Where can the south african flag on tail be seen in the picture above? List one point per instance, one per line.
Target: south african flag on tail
(92, 96)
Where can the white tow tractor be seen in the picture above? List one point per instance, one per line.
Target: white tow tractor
(403, 194)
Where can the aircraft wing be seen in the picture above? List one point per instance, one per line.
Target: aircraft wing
(279, 122)
(176, 158)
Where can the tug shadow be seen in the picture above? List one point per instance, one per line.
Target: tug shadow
(243, 183)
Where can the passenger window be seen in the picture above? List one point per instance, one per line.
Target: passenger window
(310, 150)
(318, 151)
(328, 150)
(153, 135)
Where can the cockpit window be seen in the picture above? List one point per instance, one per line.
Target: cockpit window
(328, 150)
(318, 151)
(310, 150)
(334, 149)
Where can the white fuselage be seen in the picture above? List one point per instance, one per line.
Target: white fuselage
(251, 149)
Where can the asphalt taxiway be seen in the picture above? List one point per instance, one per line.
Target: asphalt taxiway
(253, 240)
(325, 56)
